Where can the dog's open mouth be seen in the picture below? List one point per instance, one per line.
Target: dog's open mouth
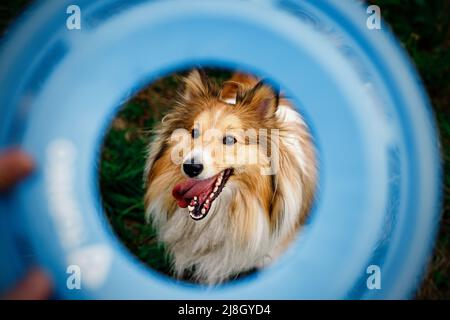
(198, 195)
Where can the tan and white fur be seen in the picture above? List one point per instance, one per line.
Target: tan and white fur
(256, 215)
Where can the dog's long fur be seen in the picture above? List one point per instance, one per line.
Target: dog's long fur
(256, 215)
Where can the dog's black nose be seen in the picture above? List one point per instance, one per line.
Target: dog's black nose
(192, 169)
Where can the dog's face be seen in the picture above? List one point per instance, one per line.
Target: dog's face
(213, 144)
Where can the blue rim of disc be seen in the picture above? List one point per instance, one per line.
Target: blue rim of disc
(60, 88)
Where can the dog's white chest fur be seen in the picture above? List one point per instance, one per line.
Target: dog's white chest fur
(209, 248)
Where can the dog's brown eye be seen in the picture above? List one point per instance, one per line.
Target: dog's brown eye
(195, 133)
(229, 140)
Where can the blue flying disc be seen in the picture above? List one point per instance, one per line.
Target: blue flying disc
(374, 222)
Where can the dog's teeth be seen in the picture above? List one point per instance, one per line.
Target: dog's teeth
(191, 208)
(215, 189)
(203, 211)
(207, 201)
(195, 198)
(211, 195)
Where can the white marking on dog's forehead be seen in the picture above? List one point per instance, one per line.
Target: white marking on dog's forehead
(218, 115)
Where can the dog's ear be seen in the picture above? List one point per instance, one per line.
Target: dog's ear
(262, 98)
(196, 84)
(239, 81)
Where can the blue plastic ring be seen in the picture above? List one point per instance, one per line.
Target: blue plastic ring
(379, 160)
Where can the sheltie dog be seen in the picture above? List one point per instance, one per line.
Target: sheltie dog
(230, 177)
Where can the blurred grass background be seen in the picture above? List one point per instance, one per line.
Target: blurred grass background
(422, 26)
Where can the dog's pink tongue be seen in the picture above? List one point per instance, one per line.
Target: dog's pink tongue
(185, 191)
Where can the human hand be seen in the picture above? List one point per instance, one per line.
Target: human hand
(36, 285)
